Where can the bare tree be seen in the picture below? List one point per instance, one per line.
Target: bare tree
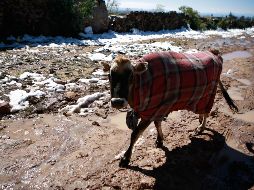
(160, 8)
(112, 6)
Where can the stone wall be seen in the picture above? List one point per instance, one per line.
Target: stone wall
(147, 21)
(18, 17)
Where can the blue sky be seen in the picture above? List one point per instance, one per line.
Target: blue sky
(242, 7)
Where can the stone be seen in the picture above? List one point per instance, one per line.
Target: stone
(70, 96)
(2, 75)
(95, 123)
(5, 108)
(5, 137)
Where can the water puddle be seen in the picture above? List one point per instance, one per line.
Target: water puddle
(235, 93)
(244, 81)
(248, 116)
(236, 54)
(118, 121)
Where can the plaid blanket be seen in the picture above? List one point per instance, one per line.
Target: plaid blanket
(176, 81)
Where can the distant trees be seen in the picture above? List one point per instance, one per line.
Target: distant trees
(160, 8)
(197, 22)
(232, 21)
(192, 18)
(112, 6)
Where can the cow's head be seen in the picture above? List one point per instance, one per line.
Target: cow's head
(121, 73)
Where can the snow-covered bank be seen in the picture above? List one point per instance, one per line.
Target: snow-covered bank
(46, 86)
(111, 37)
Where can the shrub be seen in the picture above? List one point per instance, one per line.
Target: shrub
(193, 18)
(47, 17)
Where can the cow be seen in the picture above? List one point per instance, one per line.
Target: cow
(162, 82)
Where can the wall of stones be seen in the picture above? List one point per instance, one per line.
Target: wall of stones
(147, 21)
(18, 17)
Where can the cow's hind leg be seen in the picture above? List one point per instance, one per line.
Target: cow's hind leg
(201, 127)
(159, 141)
(134, 137)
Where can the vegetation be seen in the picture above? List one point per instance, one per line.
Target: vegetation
(232, 21)
(48, 17)
(69, 15)
(112, 6)
(160, 8)
(197, 22)
(192, 18)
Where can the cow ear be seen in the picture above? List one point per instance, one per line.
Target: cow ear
(140, 67)
(106, 66)
(215, 51)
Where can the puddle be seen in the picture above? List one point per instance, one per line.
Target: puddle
(118, 121)
(244, 81)
(248, 116)
(235, 93)
(236, 54)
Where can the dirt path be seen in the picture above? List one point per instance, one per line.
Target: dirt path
(51, 151)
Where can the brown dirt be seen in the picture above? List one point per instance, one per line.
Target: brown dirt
(51, 151)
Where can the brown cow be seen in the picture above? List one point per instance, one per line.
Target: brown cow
(160, 83)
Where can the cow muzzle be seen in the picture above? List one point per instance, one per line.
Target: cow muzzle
(118, 103)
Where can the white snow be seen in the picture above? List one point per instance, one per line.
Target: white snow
(18, 99)
(112, 37)
(83, 102)
(98, 78)
(35, 76)
(100, 57)
(99, 72)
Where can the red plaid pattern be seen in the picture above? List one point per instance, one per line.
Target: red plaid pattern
(176, 81)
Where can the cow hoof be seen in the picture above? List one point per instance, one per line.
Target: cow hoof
(124, 162)
(159, 144)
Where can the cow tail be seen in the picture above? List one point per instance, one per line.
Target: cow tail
(229, 101)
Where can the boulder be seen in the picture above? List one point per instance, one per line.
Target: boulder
(5, 108)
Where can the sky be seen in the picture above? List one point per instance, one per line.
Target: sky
(238, 7)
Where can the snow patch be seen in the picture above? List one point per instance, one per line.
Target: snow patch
(83, 102)
(18, 98)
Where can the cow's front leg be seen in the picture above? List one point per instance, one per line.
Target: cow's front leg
(202, 121)
(159, 141)
(134, 137)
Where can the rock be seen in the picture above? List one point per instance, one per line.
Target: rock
(2, 127)
(5, 137)
(70, 96)
(95, 123)
(58, 81)
(2, 75)
(146, 183)
(33, 100)
(5, 108)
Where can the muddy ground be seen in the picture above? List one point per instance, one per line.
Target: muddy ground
(45, 149)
